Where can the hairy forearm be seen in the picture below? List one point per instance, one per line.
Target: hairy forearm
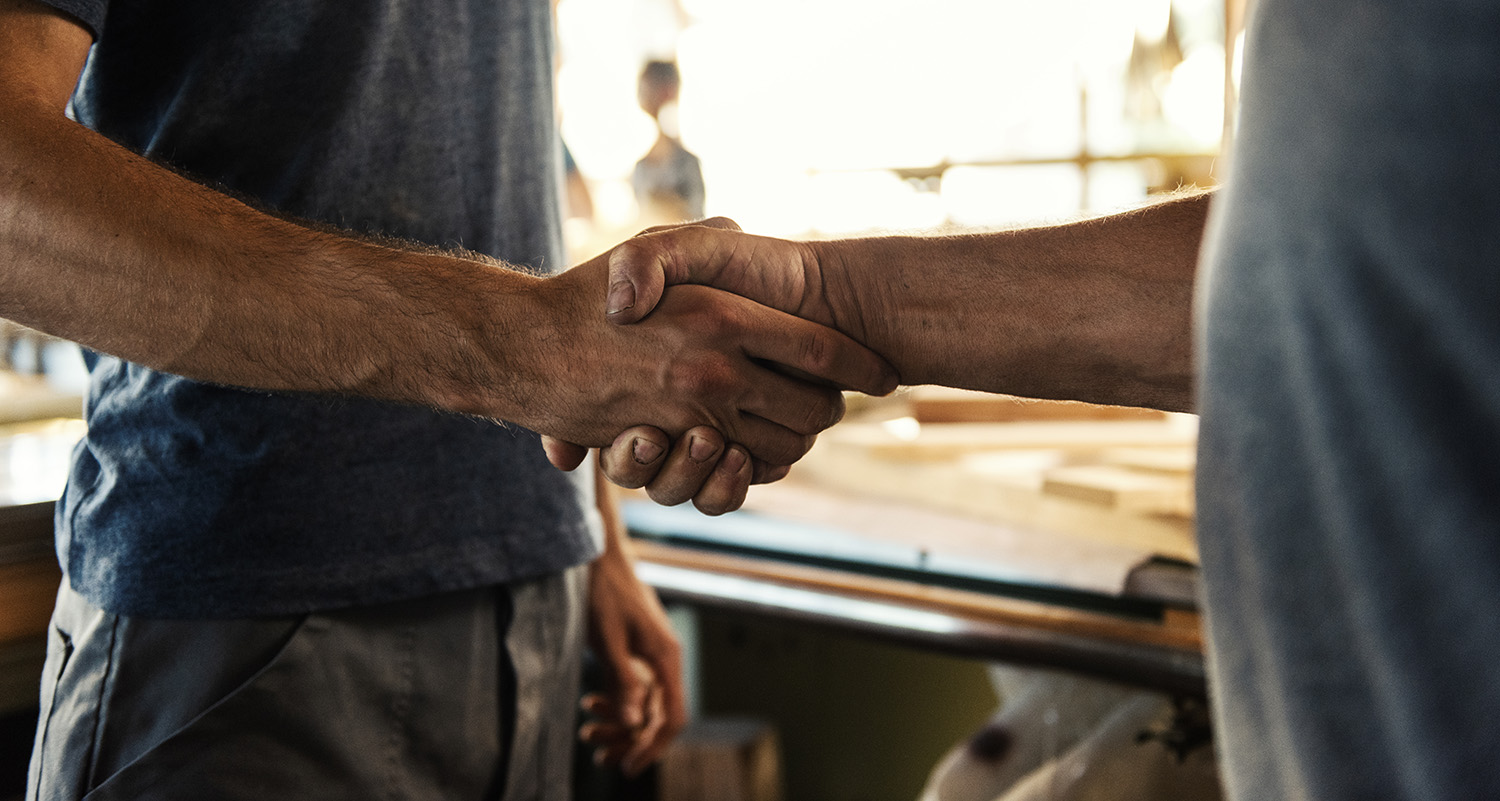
(1098, 310)
(115, 252)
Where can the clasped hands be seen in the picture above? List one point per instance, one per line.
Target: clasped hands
(757, 365)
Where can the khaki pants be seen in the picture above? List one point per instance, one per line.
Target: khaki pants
(466, 695)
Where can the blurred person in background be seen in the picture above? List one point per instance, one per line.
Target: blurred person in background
(668, 180)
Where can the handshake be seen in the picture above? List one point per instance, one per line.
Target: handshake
(701, 359)
(735, 350)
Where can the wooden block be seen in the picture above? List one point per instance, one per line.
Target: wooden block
(907, 440)
(1124, 489)
(722, 759)
(1174, 460)
(948, 405)
(25, 397)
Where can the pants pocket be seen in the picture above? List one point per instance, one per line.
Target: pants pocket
(59, 653)
(222, 743)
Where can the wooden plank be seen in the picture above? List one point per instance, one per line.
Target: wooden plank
(996, 490)
(1123, 489)
(910, 441)
(940, 540)
(973, 605)
(948, 405)
(1181, 460)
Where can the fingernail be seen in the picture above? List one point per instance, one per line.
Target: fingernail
(621, 297)
(733, 461)
(701, 450)
(645, 451)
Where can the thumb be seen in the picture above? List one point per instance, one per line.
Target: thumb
(564, 456)
(638, 272)
(637, 277)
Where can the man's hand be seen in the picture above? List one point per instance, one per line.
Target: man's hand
(704, 357)
(643, 708)
(781, 274)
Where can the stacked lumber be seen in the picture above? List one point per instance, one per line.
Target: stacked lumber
(30, 397)
(1112, 474)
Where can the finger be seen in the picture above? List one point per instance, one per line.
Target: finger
(633, 688)
(673, 701)
(690, 463)
(817, 350)
(725, 488)
(598, 705)
(635, 457)
(613, 753)
(604, 734)
(770, 442)
(636, 281)
(768, 473)
(652, 741)
(564, 456)
(666, 709)
(635, 757)
(792, 403)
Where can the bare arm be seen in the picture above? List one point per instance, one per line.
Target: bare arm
(106, 248)
(1097, 310)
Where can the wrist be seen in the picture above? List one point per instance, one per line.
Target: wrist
(475, 337)
(868, 297)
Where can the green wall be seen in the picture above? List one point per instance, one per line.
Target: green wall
(859, 719)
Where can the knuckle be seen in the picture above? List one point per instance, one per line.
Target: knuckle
(822, 414)
(631, 251)
(836, 412)
(721, 222)
(800, 446)
(820, 353)
(709, 376)
(786, 450)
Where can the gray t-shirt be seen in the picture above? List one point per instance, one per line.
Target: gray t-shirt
(1349, 484)
(428, 121)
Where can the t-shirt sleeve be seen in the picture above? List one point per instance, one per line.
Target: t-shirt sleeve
(88, 12)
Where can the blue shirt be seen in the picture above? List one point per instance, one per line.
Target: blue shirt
(1349, 474)
(429, 121)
